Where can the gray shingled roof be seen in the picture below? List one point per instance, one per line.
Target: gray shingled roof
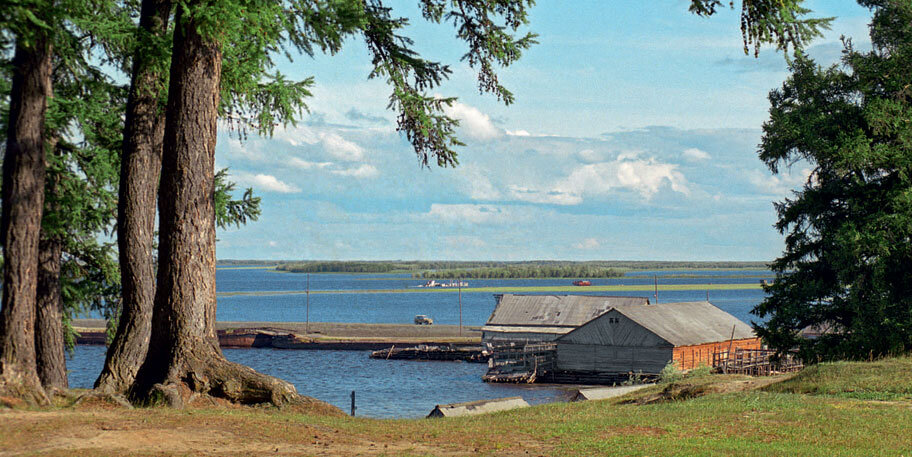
(688, 323)
(556, 310)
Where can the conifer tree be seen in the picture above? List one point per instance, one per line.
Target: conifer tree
(845, 269)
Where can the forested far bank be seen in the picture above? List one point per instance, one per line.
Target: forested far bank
(445, 269)
(509, 272)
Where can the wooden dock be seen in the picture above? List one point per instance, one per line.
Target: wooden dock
(450, 352)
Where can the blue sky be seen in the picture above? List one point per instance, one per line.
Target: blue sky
(633, 137)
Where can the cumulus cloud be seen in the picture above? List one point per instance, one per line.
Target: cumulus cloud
(266, 183)
(645, 177)
(473, 122)
(695, 154)
(588, 243)
(362, 171)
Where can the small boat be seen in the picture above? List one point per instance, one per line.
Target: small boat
(433, 283)
(582, 282)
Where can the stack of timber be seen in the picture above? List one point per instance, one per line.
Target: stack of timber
(477, 407)
(520, 363)
(755, 362)
(449, 352)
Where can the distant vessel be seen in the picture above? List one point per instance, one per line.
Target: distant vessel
(582, 282)
(433, 283)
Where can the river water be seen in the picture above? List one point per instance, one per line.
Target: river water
(393, 388)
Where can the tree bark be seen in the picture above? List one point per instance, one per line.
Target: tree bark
(184, 357)
(49, 339)
(139, 175)
(20, 223)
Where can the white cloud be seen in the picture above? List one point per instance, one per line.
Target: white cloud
(781, 184)
(331, 142)
(588, 243)
(273, 243)
(473, 214)
(554, 197)
(362, 171)
(474, 123)
(475, 182)
(695, 154)
(307, 165)
(341, 148)
(519, 132)
(264, 182)
(645, 177)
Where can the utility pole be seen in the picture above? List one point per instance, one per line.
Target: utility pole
(459, 284)
(307, 307)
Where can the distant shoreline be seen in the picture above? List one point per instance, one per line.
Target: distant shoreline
(530, 289)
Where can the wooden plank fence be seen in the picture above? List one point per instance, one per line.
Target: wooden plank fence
(755, 362)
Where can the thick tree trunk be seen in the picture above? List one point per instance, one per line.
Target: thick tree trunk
(49, 340)
(23, 198)
(184, 356)
(139, 174)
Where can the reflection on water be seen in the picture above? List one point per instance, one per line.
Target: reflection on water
(384, 388)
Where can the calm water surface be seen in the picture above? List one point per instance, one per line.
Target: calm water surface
(383, 388)
(394, 388)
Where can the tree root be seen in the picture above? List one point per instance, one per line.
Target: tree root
(218, 378)
(23, 387)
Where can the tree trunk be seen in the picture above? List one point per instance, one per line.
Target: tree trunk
(20, 224)
(140, 169)
(184, 357)
(49, 341)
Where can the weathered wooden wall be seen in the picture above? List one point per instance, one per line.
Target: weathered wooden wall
(690, 357)
(612, 359)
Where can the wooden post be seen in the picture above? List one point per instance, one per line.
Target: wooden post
(728, 356)
(353, 404)
(307, 307)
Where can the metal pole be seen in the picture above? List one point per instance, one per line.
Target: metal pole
(460, 306)
(353, 404)
(307, 307)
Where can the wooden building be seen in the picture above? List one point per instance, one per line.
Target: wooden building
(632, 338)
(538, 318)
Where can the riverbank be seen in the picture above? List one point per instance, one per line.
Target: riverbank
(511, 289)
(826, 411)
(323, 335)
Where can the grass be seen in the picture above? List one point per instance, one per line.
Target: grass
(804, 415)
(509, 289)
(885, 379)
